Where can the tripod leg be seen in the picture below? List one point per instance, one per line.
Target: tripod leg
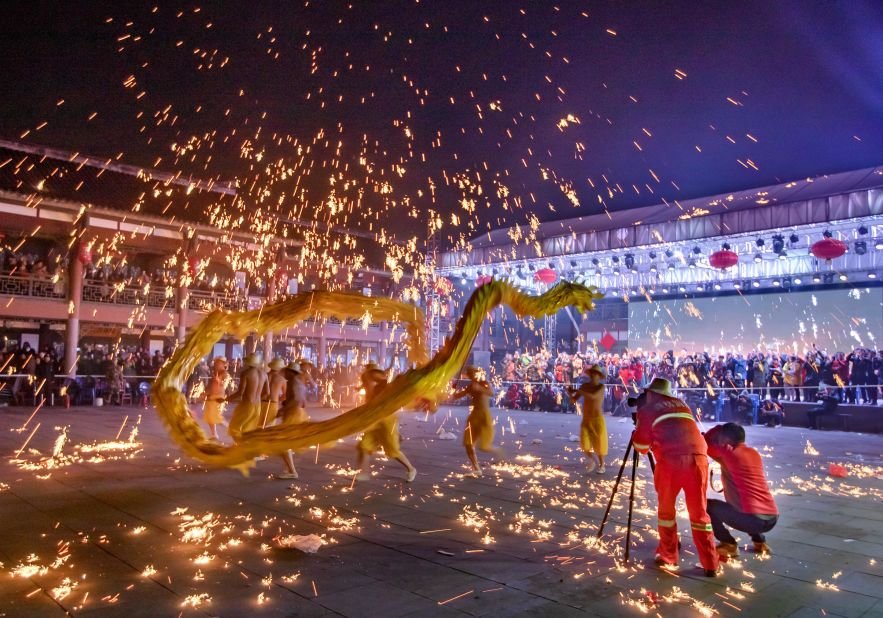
(628, 449)
(628, 530)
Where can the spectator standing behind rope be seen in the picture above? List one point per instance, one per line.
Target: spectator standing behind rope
(840, 369)
(749, 506)
(665, 425)
(792, 371)
(875, 374)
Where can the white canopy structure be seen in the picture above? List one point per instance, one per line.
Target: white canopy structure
(664, 249)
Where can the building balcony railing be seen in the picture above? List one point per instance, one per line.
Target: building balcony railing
(209, 301)
(14, 285)
(118, 294)
(105, 292)
(95, 291)
(352, 322)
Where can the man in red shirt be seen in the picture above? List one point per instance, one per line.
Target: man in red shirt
(749, 506)
(665, 425)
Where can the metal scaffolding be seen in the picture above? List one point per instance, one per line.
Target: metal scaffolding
(811, 203)
(683, 265)
(434, 324)
(430, 292)
(550, 331)
(665, 249)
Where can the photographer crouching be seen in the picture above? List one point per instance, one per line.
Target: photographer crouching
(665, 425)
(749, 506)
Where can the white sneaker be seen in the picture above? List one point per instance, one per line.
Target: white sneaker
(412, 474)
(363, 476)
(591, 465)
(600, 470)
(285, 476)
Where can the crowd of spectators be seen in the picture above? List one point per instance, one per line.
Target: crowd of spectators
(35, 373)
(28, 264)
(134, 360)
(28, 368)
(537, 381)
(48, 265)
(157, 278)
(44, 265)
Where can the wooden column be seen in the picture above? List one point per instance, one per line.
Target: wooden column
(74, 302)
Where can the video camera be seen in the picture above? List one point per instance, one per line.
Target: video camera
(637, 401)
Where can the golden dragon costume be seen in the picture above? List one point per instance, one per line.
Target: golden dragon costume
(428, 380)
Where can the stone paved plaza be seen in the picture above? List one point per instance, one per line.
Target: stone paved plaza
(134, 528)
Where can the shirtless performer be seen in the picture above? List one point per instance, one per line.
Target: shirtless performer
(384, 433)
(213, 409)
(306, 374)
(252, 384)
(593, 430)
(276, 387)
(479, 424)
(293, 411)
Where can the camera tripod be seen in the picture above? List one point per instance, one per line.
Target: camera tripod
(629, 450)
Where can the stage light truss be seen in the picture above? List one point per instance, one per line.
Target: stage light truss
(430, 292)
(678, 264)
(550, 331)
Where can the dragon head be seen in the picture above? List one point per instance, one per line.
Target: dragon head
(567, 293)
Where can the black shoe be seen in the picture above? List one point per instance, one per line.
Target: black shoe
(711, 572)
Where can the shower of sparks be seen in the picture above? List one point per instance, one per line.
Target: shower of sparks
(93, 453)
(354, 204)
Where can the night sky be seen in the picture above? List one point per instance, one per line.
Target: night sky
(376, 101)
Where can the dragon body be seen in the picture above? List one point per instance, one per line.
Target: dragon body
(429, 379)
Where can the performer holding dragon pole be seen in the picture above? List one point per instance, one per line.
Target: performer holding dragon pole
(479, 424)
(293, 412)
(424, 381)
(252, 385)
(593, 430)
(213, 409)
(384, 433)
(276, 388)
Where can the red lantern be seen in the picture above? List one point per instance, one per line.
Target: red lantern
(483, 280)
(192, 265)
(545, 275)
(443, 286)
(723, 259)
(84, 254)
(828, 249)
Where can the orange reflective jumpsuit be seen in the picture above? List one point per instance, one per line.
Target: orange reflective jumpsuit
(666, 427)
